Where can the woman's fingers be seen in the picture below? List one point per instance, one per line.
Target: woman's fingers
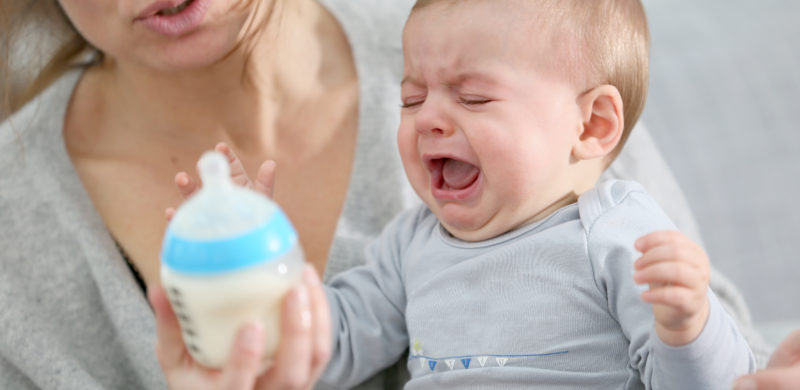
(291, 364)
(170, 349)
(787, 353)
(238, 174)
(265, 178)
(784, 378)
(306, 343)
(321, 315)
(241, 371)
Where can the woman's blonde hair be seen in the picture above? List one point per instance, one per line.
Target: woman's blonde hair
(38, 44)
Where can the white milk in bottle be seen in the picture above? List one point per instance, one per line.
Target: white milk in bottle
(228, 257)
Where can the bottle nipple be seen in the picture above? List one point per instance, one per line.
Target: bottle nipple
(214, 171)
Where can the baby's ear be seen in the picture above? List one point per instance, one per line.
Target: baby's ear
(602, 123)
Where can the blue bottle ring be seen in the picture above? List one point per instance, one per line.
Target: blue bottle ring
(267, 242)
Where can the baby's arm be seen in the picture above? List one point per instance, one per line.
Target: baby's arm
(677, 271)
(368, 306)
(708, 358)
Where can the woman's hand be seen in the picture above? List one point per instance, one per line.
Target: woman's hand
(783, 370)
(299, 361)
(305, 345)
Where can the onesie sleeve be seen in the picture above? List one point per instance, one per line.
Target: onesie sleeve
(368, 309)
(614, 215)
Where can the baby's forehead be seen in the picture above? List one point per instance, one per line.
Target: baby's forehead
(531, 20)
(530, 11)
(515, 29)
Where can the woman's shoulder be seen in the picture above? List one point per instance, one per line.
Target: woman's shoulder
(39, 118)
(32, 149)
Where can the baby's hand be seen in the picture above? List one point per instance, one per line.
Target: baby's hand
(677, 271)
(265, 177)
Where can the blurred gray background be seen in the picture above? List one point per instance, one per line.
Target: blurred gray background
(723, 107)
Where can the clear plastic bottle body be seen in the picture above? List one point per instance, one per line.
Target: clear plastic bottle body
(229, 256)
(212, 308)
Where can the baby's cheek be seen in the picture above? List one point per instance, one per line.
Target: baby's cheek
(417, 177)
(406, 142)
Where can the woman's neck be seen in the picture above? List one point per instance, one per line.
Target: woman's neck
(242, 98)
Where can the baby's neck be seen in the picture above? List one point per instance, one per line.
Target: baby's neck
(564, 201)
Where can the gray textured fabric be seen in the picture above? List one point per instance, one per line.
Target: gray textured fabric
(549, 305)
(73, 317)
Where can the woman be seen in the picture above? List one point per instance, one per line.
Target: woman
(782, 372)
(90, 163)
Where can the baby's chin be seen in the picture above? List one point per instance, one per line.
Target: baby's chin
(471, 229)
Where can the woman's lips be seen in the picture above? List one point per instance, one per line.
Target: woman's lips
(174, 24)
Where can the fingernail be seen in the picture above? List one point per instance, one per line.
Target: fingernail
(252, 335)
(305, 319)
(301, 294)
(310, 275)
(745, 384)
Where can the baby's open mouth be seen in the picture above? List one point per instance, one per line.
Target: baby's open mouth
(452, 175)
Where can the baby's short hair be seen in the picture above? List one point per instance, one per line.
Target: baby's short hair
(606, 42)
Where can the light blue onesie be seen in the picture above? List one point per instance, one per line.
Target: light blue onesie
(551, 305)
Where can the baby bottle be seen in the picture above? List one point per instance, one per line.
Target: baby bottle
(229, 255)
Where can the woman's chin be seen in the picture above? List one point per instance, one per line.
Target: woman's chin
(191, 59)
(198, 51)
